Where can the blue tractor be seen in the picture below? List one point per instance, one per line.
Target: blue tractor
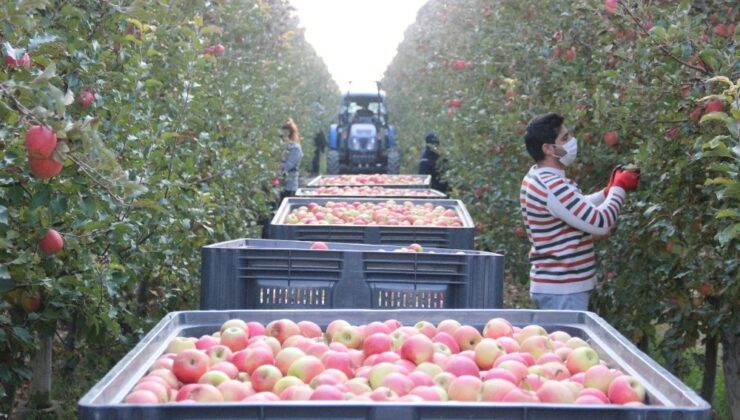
(362, 141)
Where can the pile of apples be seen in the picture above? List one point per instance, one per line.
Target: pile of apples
(369, 192)
(375, 179)
(374, 213)
(384, 361)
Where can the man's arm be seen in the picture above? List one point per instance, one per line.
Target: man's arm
(566, 203)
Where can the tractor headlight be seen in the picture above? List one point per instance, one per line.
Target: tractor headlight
(354, 143)
(371, 144)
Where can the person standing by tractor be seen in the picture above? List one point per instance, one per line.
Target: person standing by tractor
(560, 221)
(429, 160)
(319, 145)
(291, 158)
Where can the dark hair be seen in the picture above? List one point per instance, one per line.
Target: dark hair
(431, 138)
(540, 130)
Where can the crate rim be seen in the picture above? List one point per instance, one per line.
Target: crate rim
(426, 180)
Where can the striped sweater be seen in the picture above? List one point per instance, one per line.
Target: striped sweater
(559, 222)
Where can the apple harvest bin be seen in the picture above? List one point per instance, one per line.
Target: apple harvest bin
(667, 397)
(275, 274)
(428, 236)
(395, 192)
(421, 181)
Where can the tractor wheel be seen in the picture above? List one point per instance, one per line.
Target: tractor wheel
(394, 162)
(332, 162)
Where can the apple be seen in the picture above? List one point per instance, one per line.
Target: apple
(214, 377)
(316, 349)
(714, 105)
(40, 142)
(248, 360)
(282, 329)
(218, 50)
(576, 342)
(448, 326)
(520, 396)
(305, 368)
(465, 388)
(494, 390)
(536, 345)
(141, 396)
(262, 397)
(497, 327)
(487, 351)
(30, 301)
(161, 391)
(548, 357)
(426, 328)
(233, 390)
(178, 344)
(286, 357)
(255, 328)
(570, 55)
(593, 392)
(428, 393)
(467, 337)
(52, 242)
(398, 382)
(326, 393)
(12, 60)
(201, 393)
(459, 65)
(500, 373)
(509, 344)
(379, 371)
(581, 359)
(219, 353)
(377, 343)
(588, 399)
(190, 365)
(611, 5)
(270, 343)
(234, 338)
(418, 349)
(296, 393)
(309, 329)
(286, 382)
(611, 138)
(349, 336)
(625, 389)
(560, 336)
(338, 360)
(265, 377)
(518, 369)
(555, 392)
(87, 97)
(238, 323)
(166, 375)
(417, 248)
(205, 342)
(447, 340)
(459, 365)
(321, 246)
(598, 377)
(162, 363)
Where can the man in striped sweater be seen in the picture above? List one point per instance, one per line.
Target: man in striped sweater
(560, 221)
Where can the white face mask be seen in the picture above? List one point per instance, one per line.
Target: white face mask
(571, 151)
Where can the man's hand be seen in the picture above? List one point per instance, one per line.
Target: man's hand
(611, 179)
(626, 179)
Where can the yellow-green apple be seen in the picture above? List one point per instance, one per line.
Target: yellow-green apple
(581, 359)
(358, 386)
(560, 336)
(338, 360)
(529, 331)
(238, 323)
(379, 371)
(167, 375)
(40, 142)
(448, 326)
(497, 327)
(430, 369)
(161, 391)
(383, 394)
(575, 342)
(443, 380)
(284, 383)
(213, 377)
(248, 360)
(598, 377)
(226, 367)
(335, 326)
(305, 368)
(499, 373)
(326, 393)
(593, 392)
(282, 329)
(219, 353)
(141, 396)
(448, 340)
(518, 369)
(625, 389)
(255, 328)
(178, 344)
(233, 390)
(426, 328)
(190, 365)
(494, 390)
(418, 349)
(234, 338)
(536, 345)
(205, 342)
(459, 365)
(487, 351)
(397, 339)
(265, 377)
(518, 395)
(297, 393)
(202, 393)
(286, 357)
(465, 388)
(349, 336)
(467, 337)
(309, 329)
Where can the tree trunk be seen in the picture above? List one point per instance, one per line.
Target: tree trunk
(710, 368)
(731, 364)
(40, 392)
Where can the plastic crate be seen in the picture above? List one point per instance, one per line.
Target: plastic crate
(429, 236)
(667, 396)
(275, 274)
(394, 192)
(424, 181)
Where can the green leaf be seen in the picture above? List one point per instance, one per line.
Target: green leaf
(48, 74)
(23, 334)
(727, 213)
(3, 215)
(728, 234)
(716, 116)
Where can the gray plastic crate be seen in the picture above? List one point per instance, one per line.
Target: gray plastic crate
(395, 192)
(424, 181)
(275, 274)
(669, 399)
(431, 236)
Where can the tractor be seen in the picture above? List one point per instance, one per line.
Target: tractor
(362, 141)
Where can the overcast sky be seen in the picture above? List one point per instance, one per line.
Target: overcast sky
(356, 38)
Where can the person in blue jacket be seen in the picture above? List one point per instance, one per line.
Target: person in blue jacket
(429, 160)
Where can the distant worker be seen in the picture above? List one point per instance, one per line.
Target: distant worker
(291, 159)
(428, 163)
(319, 145)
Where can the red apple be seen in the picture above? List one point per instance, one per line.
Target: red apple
(611, 138)
(460, 365)
(418, 349)
(305, 368)
(714, 105)
(190, 365)
(570, 55)
(141, 397)
(52, 242)
(467, 337)
(319, 246)
(40, 142)
(218, 50)
(265, 377)
(625, 389)
(282, 329)
(234, 338)
(248, 360)
(87, 97)
(44, 168)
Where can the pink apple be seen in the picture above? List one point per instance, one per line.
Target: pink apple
(494, 390)
(286, 357)
(465, 388)
(588, 399)
(443, 380)
(555, 392)
(426, 328)
(459, 365)
(536, 345)
(305, 368)
(326, 393)
(316, 349)
(418, 349)
(202, 393)
(141, 397)
(499, 373)
(297, 393)
(532, 382)
(392, 324)
(498, 327)
(467, 337)
(234, 390)
(161, 391)
(255, 328)
(166, 375)
(593, 392)
(156, 379)
(265, 377)
(226, 367)
(448, 340)
(309, 329)
(250, 359)
(599, 377)
(388, 356)
(284, 383)
(560, 336)
(428, 393)
(190, 365)
(625, 389)
(581, 359)
(509, 344)
(398, 382)
(271, 342)
(282, 329)
(383, 394)
(555, 370)
(205, 342)
(379, 372)
(517, 395)
(162, 363)
(377, 343)
(335, 326)
(518, 369)
(319, 246)
(563, 352)
(234, 338)
(338, 360)
(487, 351)
(262, 397)
(529, 331)
(548, 357)
(358, 386)
(374, 328)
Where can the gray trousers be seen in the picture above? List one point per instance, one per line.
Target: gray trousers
(571, 301)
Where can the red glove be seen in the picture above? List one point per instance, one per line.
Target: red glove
(626, 179)
(611, 179)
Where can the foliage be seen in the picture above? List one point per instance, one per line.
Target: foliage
(177, 151)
